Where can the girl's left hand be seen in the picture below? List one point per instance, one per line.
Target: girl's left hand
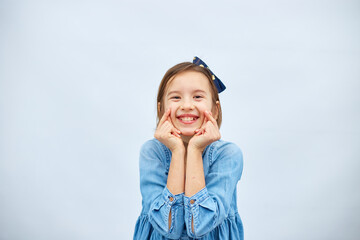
(206, 134)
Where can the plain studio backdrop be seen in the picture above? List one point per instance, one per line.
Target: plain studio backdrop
(78, 84)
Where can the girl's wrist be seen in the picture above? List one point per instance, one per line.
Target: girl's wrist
(193, 148)
(178, 150)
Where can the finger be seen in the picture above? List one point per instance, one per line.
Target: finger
(164, 117)
(204, 121)
(210, 117)
(175, 132)
(201, 127)
(199, 132)
(168, 128)
(175, 135)
(164, 130)
(172, 125)
(213, 131)
(203, 130)
(168, 118)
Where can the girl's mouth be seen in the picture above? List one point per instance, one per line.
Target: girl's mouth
(187, 119)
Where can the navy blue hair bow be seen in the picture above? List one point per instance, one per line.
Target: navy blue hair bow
(219, 85)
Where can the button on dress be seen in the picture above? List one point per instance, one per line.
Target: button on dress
(213, 209)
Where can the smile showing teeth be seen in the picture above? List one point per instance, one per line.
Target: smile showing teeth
(188, 118)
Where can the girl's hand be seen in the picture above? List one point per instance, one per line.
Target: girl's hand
(168, 134)
(206, 134)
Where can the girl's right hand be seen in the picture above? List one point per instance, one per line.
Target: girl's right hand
(167, 134)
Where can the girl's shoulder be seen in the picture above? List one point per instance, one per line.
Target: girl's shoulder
(151, 144)
(223, 149)
(222, 144)
(154, 147)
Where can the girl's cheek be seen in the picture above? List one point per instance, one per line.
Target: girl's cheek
(168, 105)
(171, 106)
(204, 108)
(172, 109)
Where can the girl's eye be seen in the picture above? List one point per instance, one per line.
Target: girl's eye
(198, 97)
(175, 97)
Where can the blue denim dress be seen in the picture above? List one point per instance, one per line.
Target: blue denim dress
(213, 208)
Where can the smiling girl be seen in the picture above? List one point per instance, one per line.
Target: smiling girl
(188, 176)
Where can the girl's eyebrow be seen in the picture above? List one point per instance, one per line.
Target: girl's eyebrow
(171, 92)
(197, 90)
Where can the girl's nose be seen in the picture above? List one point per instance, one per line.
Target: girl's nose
(187, 105)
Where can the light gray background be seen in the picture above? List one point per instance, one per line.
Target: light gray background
(78, 83)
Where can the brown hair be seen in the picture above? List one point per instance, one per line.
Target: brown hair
(179, 68)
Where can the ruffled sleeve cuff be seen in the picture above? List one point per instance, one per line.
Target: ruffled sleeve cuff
(160, 210)
(197, 198)
(172, 199)
(201, 209)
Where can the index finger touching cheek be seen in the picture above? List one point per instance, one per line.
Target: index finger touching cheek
(210, 117)
(165, 116)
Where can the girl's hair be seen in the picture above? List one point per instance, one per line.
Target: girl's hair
(183, 67)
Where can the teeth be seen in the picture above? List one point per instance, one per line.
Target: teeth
(187, 118)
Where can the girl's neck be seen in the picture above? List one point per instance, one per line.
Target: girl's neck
(186, 140)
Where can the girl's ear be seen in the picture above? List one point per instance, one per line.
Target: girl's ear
(217, 107)
(158, 107)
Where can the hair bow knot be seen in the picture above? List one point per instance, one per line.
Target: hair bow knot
(219, 85)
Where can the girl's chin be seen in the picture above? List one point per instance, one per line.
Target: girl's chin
(187, 132)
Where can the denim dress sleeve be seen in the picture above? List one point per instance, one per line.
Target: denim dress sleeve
(211, 205)
(157, 200)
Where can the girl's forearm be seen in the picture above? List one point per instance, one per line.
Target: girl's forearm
(176, 175)
(195, 179)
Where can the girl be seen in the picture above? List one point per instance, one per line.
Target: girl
(188, 176)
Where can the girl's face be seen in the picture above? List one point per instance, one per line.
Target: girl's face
(188, 95)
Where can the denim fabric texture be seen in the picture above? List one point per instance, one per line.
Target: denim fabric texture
(213, 209)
